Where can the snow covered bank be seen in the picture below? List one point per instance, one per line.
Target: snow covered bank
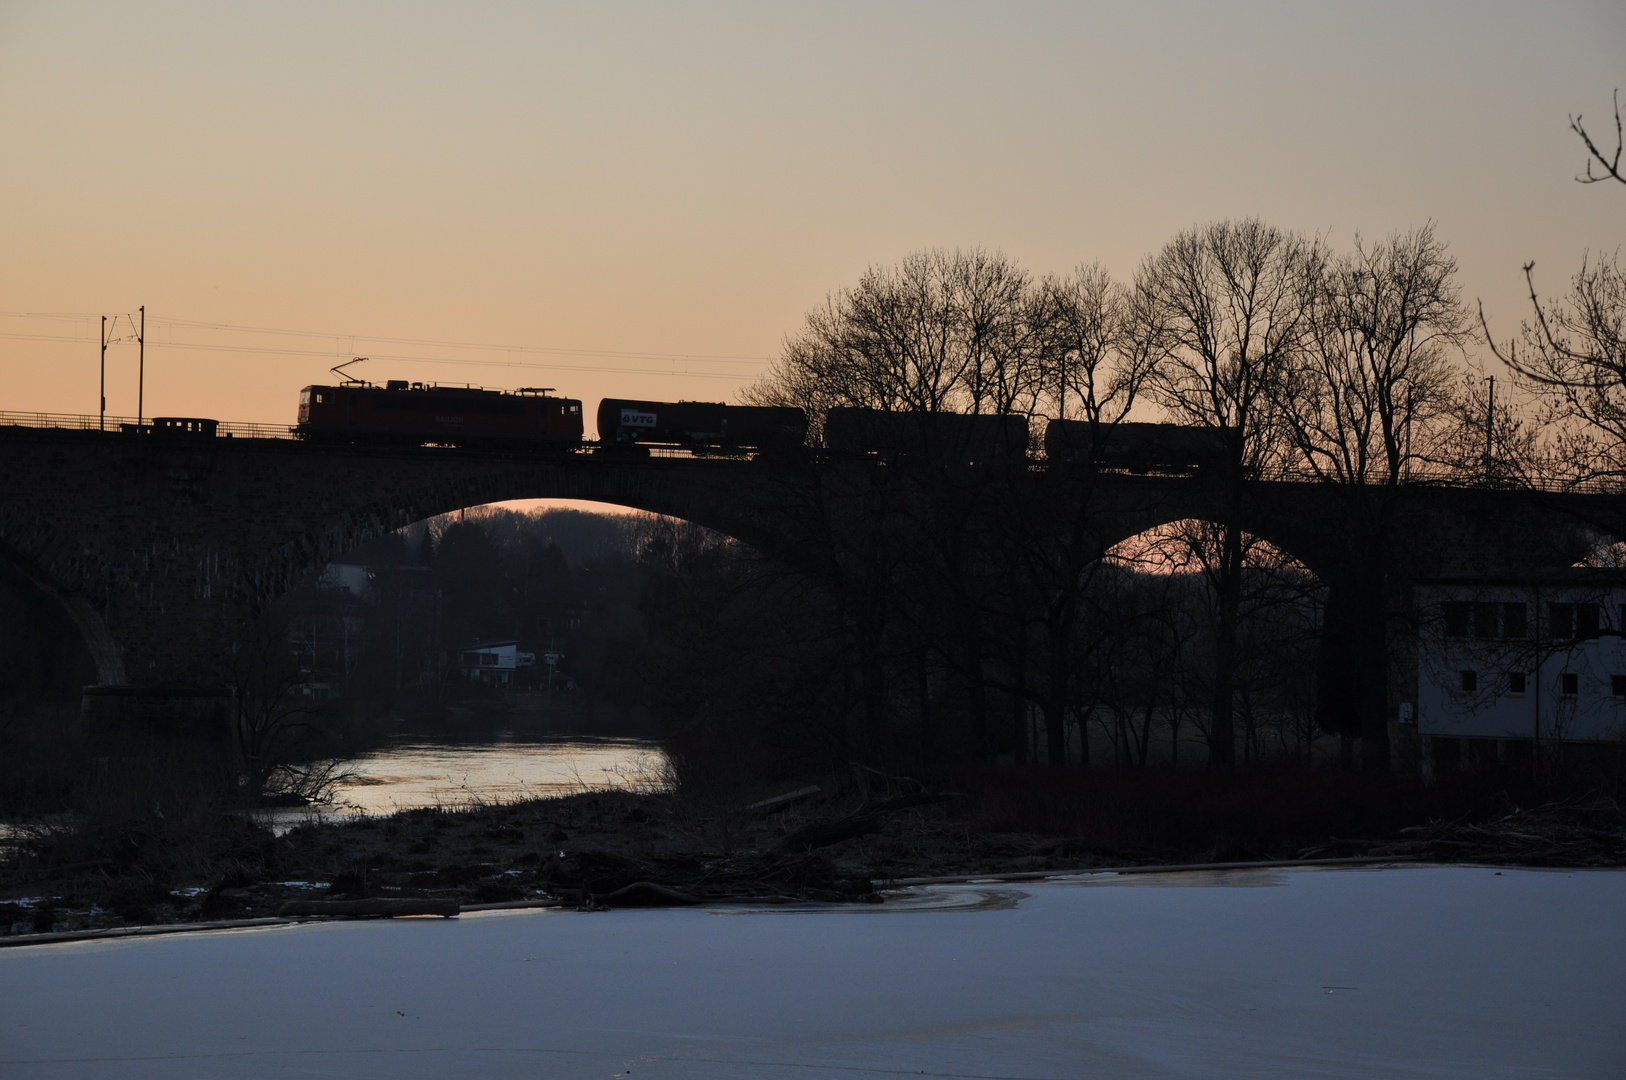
(1428, 972)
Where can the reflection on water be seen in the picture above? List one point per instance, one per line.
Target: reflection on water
(416, 772)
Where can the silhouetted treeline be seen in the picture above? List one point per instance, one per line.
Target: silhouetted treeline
(390, 619)
(1344, 368)
(759, 673)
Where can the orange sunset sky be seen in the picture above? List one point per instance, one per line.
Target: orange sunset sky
(643, 200)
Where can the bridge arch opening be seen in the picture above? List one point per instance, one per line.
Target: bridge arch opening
(45, 662)
(64, 624)
(44, 657)
(1160, 601)
(528, 617)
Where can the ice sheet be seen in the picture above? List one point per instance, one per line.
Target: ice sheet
(1428, 972)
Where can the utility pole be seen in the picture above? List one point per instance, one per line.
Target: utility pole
(1490, 421)
(101, 415)
(141, 377)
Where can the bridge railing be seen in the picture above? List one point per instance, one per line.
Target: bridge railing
(82, 422)
(238, 429)
(1421, 477)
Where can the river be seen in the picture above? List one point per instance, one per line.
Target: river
(414, 772)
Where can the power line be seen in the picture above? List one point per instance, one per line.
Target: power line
(259, 350)
(195, 324)
(428, 342)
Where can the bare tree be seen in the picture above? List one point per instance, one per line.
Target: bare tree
(1368, 396)
(273, 723)
(1574, 351)
(1383, 327)
(943, 332)
(1610, 164)
(1229, 299)
(1100, 343)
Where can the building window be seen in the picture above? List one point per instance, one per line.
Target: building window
(1485, 620)
(1470, 682)
(1572, 622)
(1513, 621)
(1456, 618)
(1569, 684)
(1561, 621)
(1617, 685)
(1515, 682)
(1586, 620)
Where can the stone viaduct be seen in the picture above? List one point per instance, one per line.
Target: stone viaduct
(163, 549)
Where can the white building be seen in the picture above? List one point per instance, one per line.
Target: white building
(494, 662)
(1531, 660)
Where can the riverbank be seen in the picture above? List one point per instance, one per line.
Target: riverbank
(814, 842)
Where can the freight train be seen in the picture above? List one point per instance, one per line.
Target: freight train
(531, 418)
(1137, 448)
(627, 426)
(942, 436)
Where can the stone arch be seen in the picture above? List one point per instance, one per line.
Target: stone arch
(407, 501)
(82, 612)
(1256, 537)
(1299, 544)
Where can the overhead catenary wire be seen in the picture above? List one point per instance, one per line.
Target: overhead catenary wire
(399, 359)
(345, 344)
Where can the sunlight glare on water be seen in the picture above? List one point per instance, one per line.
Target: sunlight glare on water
(414, 774)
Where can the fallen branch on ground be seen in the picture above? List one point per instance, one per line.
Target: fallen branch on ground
(866, 819)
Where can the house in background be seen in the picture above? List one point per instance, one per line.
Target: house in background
(1505, 664)
(493, 662)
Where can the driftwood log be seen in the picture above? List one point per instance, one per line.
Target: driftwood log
(374, 907)
(779, 802)
(865, 820)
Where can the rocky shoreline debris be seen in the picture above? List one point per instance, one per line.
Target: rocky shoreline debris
(621, 849)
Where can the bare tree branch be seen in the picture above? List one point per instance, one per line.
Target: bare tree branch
(1611, 165)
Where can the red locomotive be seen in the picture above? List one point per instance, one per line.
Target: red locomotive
(416, 413)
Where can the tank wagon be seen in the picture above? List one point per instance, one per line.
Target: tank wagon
(416, 413)
(629, 426)
(937, 435)
(1138, 448)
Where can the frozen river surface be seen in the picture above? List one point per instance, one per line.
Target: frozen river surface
(1428, 972)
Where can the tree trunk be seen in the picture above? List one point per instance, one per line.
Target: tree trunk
(1055, 704)
(1338, 666)
(924, 689)
(1018, 703)
(1221, 731)
(976, 692)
